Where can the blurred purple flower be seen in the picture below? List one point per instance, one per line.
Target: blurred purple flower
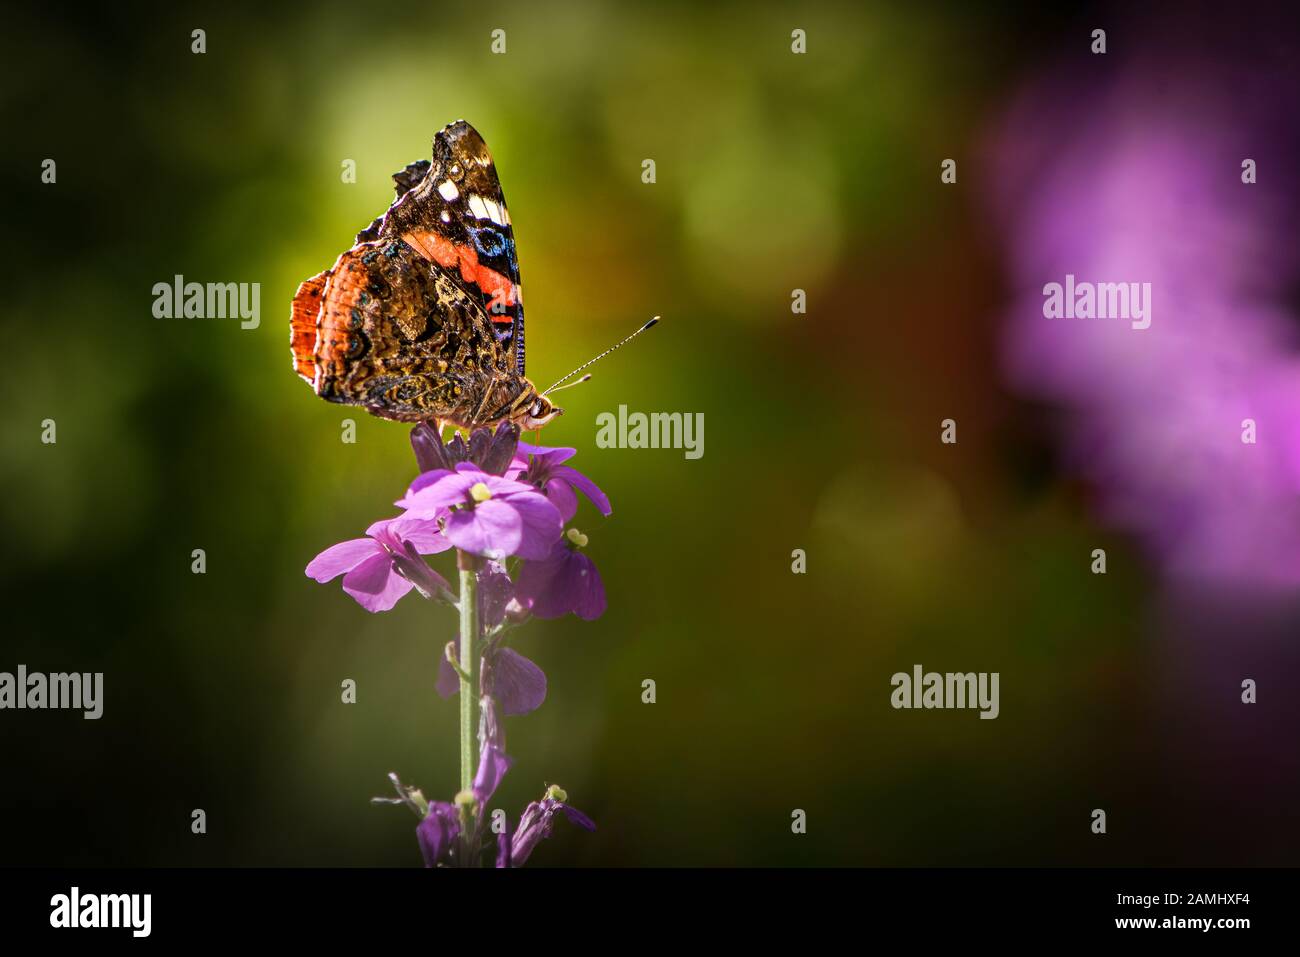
(1136, 179)
(564, 581)
(535, 825)
(485, 514)
(380, 569)
(541, 466)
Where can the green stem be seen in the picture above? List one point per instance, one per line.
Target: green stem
(467, 565)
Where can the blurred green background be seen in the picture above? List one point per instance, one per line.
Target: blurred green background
(774, 172)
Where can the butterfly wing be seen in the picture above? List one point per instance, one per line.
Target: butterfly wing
(302, 326)
(399, 335)
(453, 213)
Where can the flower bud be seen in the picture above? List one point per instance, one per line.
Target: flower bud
(429, 454)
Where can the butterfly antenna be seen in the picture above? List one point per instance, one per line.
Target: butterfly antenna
(601, 356)
(570, 385)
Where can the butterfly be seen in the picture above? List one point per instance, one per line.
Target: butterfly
(423, 318)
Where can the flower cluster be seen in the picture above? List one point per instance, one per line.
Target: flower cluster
(504, 506)
(452, 832)
(493, 497)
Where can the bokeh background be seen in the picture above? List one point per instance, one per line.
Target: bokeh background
(775, 171)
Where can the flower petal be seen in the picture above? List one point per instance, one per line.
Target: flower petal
(553, 455)
(542, 525)
(422, 533)
(493, 763)
(561, 495)
(374, 585)
(532, 828)
(340, 558)
(408, 563)
(567, 581)
(391, 531)
(575, 816)
(500, 486)
(495, 589)
(448, 682)
(492, 529)
(587, 588)
(585, 485)
(537, 585)
(437, 833)
(517, 683)
(525, 525)
(536, 824)
(434, 491)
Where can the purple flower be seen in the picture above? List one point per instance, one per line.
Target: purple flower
(517, 684)
(491, 452)
(442, 833)
(540, 466)
(491, 497)
(536, 824)
(438, 832)
(485, 514)
(493, 763)
(564, 581)
(382, 568)
(440, 829)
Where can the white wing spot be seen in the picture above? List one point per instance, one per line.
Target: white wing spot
(446, 216)
(478, 207)
(449, 191)
(494, 212)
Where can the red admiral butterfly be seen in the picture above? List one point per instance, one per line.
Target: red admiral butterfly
(423, 319)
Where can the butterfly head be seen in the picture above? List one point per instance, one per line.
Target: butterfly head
(532, 410)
